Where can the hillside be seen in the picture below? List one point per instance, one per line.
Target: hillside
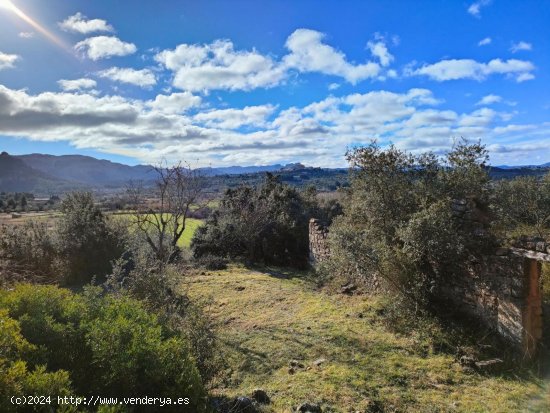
(17, 176)
(302, 345)
(86, 169)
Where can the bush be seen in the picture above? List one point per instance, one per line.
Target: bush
(398, 223)
(107, 345)
(266, 224)
(31, 248)
(212, 262)
(87, 244)
(141, 277)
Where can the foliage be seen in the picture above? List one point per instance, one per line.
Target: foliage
(398, 222)
(86, 242)
(30, 247)
(139, 275)
(268, 223)
(91, 344)
(523, 203)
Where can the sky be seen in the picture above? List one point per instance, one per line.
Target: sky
(225, 83)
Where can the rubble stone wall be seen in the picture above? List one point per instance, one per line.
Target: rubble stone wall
(318, 245)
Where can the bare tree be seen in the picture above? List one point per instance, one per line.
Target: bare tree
(162, 219)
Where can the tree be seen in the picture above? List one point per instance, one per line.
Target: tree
(398, 222)
(87, 243)
(176, 190)
(268, 223)
(523, 204)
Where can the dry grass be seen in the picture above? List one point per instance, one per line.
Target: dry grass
(267, 320)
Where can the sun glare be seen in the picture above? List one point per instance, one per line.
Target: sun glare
(7, 4)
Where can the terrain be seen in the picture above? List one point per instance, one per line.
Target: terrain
(48, 174)
(301, 344)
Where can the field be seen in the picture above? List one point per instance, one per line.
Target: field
(185, 241)
(304, 345)
(50, 217)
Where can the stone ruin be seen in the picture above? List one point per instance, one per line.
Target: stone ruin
(503, 290)
(318, 245)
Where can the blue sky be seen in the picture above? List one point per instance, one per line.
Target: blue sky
(250, 83)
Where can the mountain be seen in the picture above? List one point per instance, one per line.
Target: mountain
(239, 170)
(17, 176)
(87, 170)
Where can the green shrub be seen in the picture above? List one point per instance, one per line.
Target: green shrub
(103, 345)
(266, 224)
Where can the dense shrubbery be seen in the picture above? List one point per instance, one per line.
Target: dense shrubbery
(522, 205)
(266, 224)
(398, 222)
(83, 244)
(58, 343)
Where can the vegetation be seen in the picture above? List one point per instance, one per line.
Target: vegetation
(60, 343)
(267, 224)
(398, 222)
(345, 356)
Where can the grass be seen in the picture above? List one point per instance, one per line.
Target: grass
(266, 320)
(185, 241)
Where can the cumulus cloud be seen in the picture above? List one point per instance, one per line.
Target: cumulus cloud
(519, 46)
(76, 84)
(489, 100)
(475, 8)
(219, 66)
(485, 41)
(102, 47)
(79, 24)
(380, 51)
(235, 118)
(143, 78)
(453, 69)
(308, 53)
(26, 35)
(7, 61)
(175, 102)
(169, 127)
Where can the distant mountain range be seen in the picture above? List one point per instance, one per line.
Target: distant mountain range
(45, 174)
(49, 174)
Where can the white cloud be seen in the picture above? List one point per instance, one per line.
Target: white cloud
(475, 8)
(101, 47)
(380, 51)
(453, 69)
(235, 118)
(143, 78)
(333, 86)
(175, 102)
(317, 134)
(519, 46)
(26, 35)
(76, 84)
(485, 41)
(308, 53)
(7, 61)
(79, 24)
(219, 66)
(489, 100)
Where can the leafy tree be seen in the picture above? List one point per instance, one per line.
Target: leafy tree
(87, 244)
(523, 204)
(268, 223)
(398, 222)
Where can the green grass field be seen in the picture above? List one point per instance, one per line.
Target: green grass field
(185, 241)
(350, 360)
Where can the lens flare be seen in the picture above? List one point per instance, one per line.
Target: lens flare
(8, 4)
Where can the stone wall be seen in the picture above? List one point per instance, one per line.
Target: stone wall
(502, 291)
(318, 245)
